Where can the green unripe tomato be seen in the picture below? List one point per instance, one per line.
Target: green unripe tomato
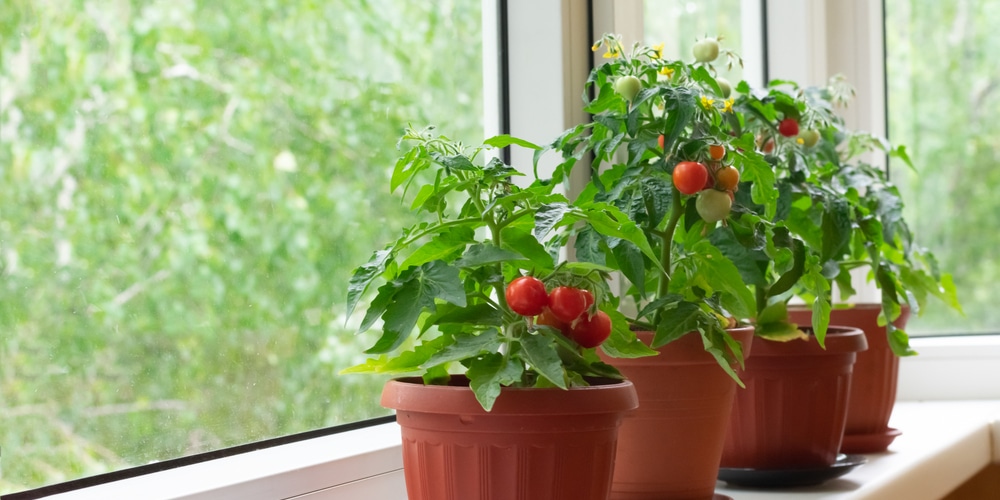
(809, 138)
(724, 86)
(713, 205)
(706, 50)
(628, 86)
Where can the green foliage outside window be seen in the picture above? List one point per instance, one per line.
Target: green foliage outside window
(185, 187)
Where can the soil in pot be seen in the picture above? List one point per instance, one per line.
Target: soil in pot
(535, 444)
(669, 448)
(793, 411)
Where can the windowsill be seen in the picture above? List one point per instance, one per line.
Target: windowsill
(944, 443)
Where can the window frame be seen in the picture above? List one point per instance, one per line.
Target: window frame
(844, 36)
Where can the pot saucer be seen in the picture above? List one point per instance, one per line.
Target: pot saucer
(786, 478)
(875, 442)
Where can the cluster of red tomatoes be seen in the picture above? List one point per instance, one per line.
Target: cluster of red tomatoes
(714, 183)
(564, 308)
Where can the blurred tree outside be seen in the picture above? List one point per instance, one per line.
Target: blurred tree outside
(944, 90)
(185, 186)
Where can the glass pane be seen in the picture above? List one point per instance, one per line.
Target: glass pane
(944, 91)
(186, 186)
(678, 24)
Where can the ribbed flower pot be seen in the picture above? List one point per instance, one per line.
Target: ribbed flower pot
(875, 379)
(669, 447)
(535, 444)
(792, 413)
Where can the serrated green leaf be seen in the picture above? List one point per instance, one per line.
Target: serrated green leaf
(623, 343)
(519, 239)
(836, 226)
(630, 262)
(466, 346)
(504, 140)
(717, 273)
(677, 321)
(455, 162)
(547, 217)
(540, 351)
(481, 254)
(406, 362)
(488, 374)
(751, 264)
(364, 275)
(444, 246)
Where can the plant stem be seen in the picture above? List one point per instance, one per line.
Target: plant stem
(668, 237)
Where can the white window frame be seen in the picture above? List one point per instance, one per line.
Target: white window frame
(548, 59)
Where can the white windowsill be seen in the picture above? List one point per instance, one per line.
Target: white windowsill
(943, 444)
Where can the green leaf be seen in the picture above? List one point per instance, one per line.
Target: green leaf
(547, 217)
(623, 343)
(781, 331)
(454, 162)
(445, 245)
(630, 261)
(676, 321)
(608, 220)
(519, 239)
(717, 273)
(407, 167)
(406, 362)
(702, 75)
(481, 254)
(364, 275)
(792, 276)
(466, 346)
(540, 351)
(750, 263)
(416, 290)
(488, 374)
(478, 314)
(836, 227)
(504, 140)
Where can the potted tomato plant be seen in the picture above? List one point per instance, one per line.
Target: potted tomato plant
(502, 391)
(861, 228)
(661, 151)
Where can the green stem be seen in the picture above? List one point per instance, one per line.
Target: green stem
(668, 237)
(437, 227)
(761, 299)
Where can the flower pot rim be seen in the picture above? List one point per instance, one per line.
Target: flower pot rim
(605, 396)
(839, 340)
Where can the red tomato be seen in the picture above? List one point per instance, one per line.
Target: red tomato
(526, 296)
(567, 303)
(591, 331)
(690, 177)
(727, 178)
(788, 127)
(659, 140)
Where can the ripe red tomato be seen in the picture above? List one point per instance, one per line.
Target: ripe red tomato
(526, 296)
(788, 127)
(727, 178)
(591, 331)
(659, 140)
(567, 303)
(690, 177)
(716, 151)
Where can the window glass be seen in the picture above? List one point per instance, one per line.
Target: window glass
(943, 91)
(185, 187)
(678, 24)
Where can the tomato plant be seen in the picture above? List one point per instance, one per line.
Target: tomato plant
(727, 178)
(567, 303)
(713, 205)
(546, 318)
(526, 296)
(789, 127)
(591, 331)
(690, 177)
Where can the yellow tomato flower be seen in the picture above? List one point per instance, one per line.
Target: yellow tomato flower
(611, 54)
(667, 71)
(799, 140)
(728, 106)
(658, 48)
(706, 102)
(593, 48)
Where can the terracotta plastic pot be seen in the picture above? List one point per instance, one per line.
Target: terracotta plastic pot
(535, 444)
(669, 447)
(875, 379)
(792, 413)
